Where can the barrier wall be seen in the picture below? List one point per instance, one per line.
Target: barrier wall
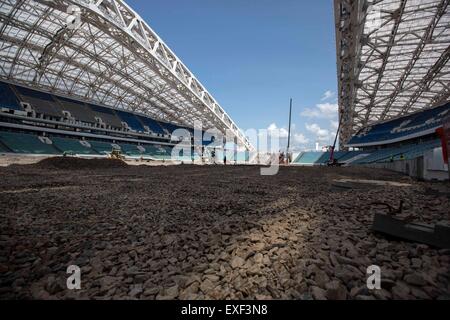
(429, 167)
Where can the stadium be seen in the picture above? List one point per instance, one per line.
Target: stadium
(118, 163)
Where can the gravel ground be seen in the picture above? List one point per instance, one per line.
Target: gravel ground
(200, 232)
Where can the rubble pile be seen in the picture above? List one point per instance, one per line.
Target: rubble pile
(192, 232)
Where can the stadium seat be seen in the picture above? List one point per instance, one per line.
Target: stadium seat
(72, 146)
(171, 128)
(410, 151)
(78, 110)
(419, 150)
(153, 125)
(26, 143)
(308, 158)
(41, 102)
(130, 150)
(107, 115)
(131, 120)
(158, 152)
(4, 149)
(101, 147)
(8, 98)
(402, 127)
(350, 155)
(325, 158)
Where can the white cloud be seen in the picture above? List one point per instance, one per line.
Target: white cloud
(322, 110)
(274, 131)
(327, 95)
(321, 135)
(299, 138)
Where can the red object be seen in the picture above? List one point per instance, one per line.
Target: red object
(332, 155)
(444, 134)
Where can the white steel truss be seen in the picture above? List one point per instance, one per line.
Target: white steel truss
(112, 58)
(392, 59)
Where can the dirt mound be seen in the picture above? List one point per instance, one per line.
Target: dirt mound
(68, 163)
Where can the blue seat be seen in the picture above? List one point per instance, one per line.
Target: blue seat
(42, 103)
(3, 148)
(152, 124)
(8, 98)
(107, 115)
(26, 143)
(402, 128)
(158, 152)
(72, 146)
(171, 128)
(130, 149)
(77, 109)
(407, 152)
(309, 158)
(101, 147)
(350, 155)
(131, 120)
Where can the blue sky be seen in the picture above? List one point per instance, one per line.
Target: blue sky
(254, 55)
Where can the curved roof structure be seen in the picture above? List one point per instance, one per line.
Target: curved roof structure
(392, 58)
(103, 52)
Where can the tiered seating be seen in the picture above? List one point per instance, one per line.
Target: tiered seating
(403, 127)
(26, 143)
(3, 149)
(158, 152)
(42, 103)
(378, 155)
(171, 128)
(131, 120)
(350, 155)
(72, 146)
(429, 119)
(77, 110)
(8, 98)
(409, 152)
(101, 147)
(53, 106)
(107, 115)
(153, 125)
(186, 157)
(325, 158)
(419, 150)
(308, 158)
(130, 150)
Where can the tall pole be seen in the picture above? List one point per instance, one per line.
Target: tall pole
(333, 148)
(289, 133)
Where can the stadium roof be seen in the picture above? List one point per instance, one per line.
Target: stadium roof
(112, 57)
(392, 58)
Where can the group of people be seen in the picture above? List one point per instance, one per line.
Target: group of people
(284, 158)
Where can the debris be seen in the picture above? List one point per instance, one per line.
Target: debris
(437, 236)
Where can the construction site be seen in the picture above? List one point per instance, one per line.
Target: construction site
(105, 174)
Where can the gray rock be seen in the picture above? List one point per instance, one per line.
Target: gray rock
(415, 279)
(207, 286)
(401, 291)
(237, 262)
(318, 293)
